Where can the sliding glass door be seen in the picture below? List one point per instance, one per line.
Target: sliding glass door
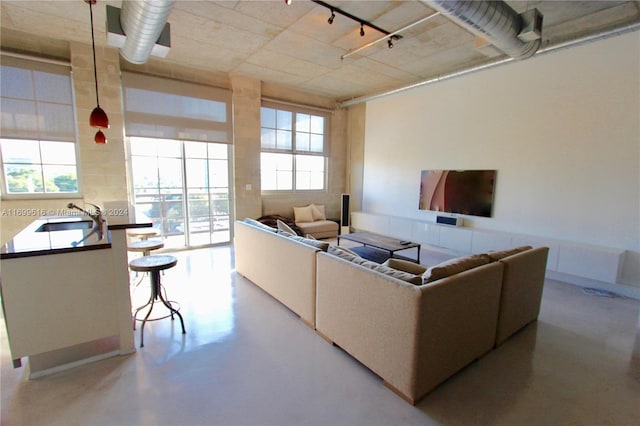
(182, 187)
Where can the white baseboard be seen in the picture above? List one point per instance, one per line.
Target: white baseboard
(63, 367)
(619, 289)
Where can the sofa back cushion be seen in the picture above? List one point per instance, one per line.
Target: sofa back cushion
(342, 253)
(352, 257)
(318, 213)
(501, 254)
(260, 225)
(454, 266)
(322, 245)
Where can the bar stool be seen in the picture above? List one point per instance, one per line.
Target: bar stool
(145, 246)
(143, 233)
(154, 264)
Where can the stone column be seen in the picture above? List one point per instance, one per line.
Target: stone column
(102, 168)
(246, 144)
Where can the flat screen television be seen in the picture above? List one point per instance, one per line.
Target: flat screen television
(468, 192)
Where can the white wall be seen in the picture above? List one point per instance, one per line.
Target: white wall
(562, 129)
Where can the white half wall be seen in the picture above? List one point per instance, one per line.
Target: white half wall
(562, 129)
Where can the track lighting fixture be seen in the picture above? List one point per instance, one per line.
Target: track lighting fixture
(336, 10)
(390, 43)
(287, 2)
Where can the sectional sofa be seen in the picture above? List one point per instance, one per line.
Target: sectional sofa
(283, 267)
(413, 326)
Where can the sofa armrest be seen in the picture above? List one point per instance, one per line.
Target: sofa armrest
(371, 316)
(405, 266)
(458, 319)
(521, 291)
(280, 265)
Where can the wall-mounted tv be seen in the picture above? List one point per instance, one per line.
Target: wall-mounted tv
(468, 192)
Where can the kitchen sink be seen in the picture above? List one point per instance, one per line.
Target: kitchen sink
(65, 226)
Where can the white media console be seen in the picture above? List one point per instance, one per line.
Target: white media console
(575, 263)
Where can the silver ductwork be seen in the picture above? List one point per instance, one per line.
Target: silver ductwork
(142, 21)
(495, 21)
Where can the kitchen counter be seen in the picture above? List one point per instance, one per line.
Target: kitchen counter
(65, 293)
(36, 240)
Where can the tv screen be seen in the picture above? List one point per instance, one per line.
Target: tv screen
(468, 192)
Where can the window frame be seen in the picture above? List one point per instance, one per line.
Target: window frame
(6, 195)
(294, 151)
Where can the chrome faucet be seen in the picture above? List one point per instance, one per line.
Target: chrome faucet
(97, 217)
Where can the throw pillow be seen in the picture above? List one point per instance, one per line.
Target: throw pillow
(317, 211)
(303, 214)
(405, 266)
(401, 275)
(390, 272)
(454, 266)
(342, 252)
(283, 227)
(322, 245)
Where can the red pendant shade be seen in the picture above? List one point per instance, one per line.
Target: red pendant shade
(98, 117)
(100, 138)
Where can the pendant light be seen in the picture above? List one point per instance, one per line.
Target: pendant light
(98, 117)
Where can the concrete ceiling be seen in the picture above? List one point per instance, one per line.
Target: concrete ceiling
(294, 46)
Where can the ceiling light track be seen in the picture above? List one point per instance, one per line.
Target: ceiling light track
(363, 23)
(391, 37)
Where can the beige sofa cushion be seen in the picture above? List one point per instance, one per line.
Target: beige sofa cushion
(352, 257)
(317, 211)
(454, 266)
(501, 254)
(303, 214)
(318, 226)
(342, 252)
(322, 245)
(401, 275)
(405, 265)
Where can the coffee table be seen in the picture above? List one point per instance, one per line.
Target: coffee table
(380, 242)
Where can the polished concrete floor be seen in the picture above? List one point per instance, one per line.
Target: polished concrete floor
(247, 360)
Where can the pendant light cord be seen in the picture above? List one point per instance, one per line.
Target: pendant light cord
(93, 44)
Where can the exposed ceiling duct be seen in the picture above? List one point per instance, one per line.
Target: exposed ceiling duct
(142, 22)
(496, 22)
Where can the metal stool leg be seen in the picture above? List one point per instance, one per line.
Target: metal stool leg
(173, 311)
(135, 315)
(155, 275)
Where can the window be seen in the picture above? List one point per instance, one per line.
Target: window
(294, 149)
(38, 139)
(180, 138)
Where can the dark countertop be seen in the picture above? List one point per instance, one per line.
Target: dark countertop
(34, 241)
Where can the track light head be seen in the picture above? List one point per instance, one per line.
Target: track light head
(390, 43)
(288, 2)
(361, 30)
(332, 17)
